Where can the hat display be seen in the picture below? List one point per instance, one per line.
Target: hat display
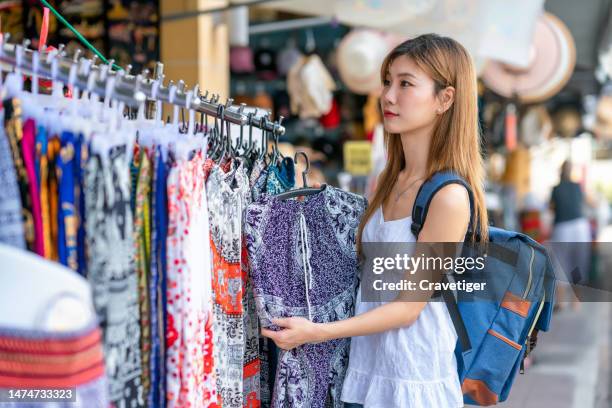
(552, 61)
(310, 87)
(359, 58)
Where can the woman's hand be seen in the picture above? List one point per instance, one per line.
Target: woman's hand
(295, 332)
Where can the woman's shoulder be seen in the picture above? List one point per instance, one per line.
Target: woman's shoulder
(448, 215)
(453, 198)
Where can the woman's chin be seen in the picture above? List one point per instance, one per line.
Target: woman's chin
(392, 129)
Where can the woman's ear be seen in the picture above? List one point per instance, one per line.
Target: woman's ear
(446, 98)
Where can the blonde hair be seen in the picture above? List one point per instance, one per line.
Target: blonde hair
(455, 144)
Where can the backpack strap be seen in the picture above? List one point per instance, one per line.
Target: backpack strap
(419, 213)
(426, 193)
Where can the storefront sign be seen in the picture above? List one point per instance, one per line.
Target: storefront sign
(358, 157)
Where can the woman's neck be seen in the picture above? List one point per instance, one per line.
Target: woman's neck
(416, 151)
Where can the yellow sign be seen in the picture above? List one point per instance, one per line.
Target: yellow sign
(358, 157)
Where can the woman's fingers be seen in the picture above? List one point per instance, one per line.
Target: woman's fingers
(278, 338)
(271, 334)
(295, 332)
(283, 322)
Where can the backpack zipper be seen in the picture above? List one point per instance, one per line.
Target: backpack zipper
(533, 325)
(537, 316)
(530, 273)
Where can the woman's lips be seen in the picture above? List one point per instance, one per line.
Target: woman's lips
(389, 114)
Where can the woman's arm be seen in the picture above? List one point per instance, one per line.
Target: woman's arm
(447, 221)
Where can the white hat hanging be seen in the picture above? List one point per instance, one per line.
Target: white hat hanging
(552, 61)
(359, 57)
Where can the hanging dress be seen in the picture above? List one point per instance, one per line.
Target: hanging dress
(11, 221)
(67, 221)
(142, 249)
(227, 197)
(274, 179)
(189, 338)
(112, 272)
(304, 263)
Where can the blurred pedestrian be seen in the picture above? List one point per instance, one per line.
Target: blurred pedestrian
(572, 229)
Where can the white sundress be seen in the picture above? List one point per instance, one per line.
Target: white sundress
(408, 367)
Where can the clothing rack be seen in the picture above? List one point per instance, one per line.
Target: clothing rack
(133, 90)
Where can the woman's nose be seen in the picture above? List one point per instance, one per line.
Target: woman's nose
(389, 96)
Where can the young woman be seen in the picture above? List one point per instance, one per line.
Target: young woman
(402, 352)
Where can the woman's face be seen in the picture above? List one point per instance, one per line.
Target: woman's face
(408, 99)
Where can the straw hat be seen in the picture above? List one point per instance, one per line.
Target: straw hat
(359, 58)
(552, 61)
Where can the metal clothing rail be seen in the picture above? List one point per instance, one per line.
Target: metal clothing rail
(133, 90)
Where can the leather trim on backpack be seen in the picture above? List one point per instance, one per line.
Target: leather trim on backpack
(504, 339)
(516, 304)
(479, 392)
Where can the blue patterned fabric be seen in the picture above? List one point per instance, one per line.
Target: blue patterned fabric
(67, 223)
(11, 221)
(270, 180)
(304, 263)
(281, 178)
(80, 160)
(259, 186)
(41, 149)
(157, 284)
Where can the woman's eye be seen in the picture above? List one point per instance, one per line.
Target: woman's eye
(404, 84)
(386, 82)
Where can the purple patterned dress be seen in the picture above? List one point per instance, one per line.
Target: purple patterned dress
(303, 263)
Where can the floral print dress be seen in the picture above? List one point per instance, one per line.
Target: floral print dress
(189, 355)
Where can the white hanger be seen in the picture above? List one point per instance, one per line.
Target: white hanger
(191, 123)
(35, 66)
(175, 109)
(108, 93)
(158, 103)
(154, 90)
(30, 106)
(80, 110)
(70, 116)
(57, 90)
(18, 62)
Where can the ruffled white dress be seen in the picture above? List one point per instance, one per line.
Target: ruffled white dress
(409, 367)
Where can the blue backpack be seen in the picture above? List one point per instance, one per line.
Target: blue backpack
(494, 335)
